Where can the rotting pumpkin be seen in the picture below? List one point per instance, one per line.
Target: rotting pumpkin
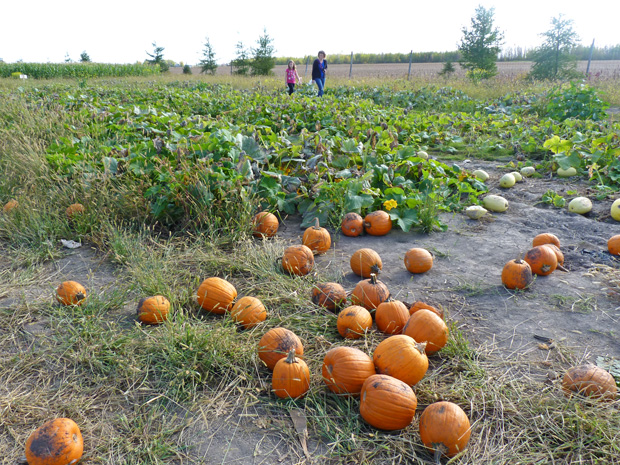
(56, 442)
(353, 322)
(444, 429)
(352, 225)
(517, 274)
(331, 296)
(276, 344)
(71, 293)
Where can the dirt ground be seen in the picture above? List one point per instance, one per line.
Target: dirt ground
(578, 310)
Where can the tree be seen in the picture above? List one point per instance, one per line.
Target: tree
(481, 45)
(448, 69)
(241, 63)
(84, 58)
(208, 63)
(263, 62)
(68, 58)
(553, 59)
(157, 58)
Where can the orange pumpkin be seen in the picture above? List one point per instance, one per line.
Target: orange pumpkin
(364, 262)
(591, 381)
(424, 306)
(153, 310)
(265, 224)
(317, 238)
(352, 225)
(546, 238)
(331, 296)
(276, 344)
(291, 377)
(56, 442)
(11, 204)
(517, 274)
(391, 316)
(418, 260)
(378, 223)
(387, 403)
(444, 428)
(216, 295)
(298, 260)
(248, 312)
(426, 326)
(613, 245)
(345, 369)
(74, 209)
(369, 293)
(542, 260)
(353, 322)
(70, 293)
(558, 253)
(402, 357)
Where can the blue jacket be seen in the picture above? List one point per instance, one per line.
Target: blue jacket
(316, 71)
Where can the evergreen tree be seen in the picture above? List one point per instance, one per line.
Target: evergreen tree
(481, 45)
(208, 63)
(84, 58)
(554, 58)
(263, 60)
(157, 58)
(241, 63)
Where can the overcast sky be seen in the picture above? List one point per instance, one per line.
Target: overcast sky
(117, 31)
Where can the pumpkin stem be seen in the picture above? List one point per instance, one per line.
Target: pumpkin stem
(440, 450)
(561, 268)
(373, 278)
(317, 225)
(421, 346)
(290, 358)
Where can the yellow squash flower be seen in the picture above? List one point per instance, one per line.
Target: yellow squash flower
(389, 204)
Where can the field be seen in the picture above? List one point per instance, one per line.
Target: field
(171, 170)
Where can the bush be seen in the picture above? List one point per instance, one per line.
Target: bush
(578, 101)
(187, 69)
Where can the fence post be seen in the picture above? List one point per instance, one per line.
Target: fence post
(231, 66)
(307, 61)
(351, 66)
(590, 58)
(410, 58)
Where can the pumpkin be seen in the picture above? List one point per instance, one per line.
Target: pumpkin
(558, 254)
(418, 260)
(591, 381)
(426, 326)
(444, 429)
(391, 316)
(265, 224)
(74, 209)
(216, 295)
(153, 310)
(248, 312)
(369, 293)
(298, 260)
(542, 260)
(517, 274)
(56, 442)
(345, 369)
(421, 305)
(317, 238)
(387, 403)
(291, 377)
(402, 357)
(353, 322)
(377, 223)
(70, 293)
(613, 245)
(364, 262)
(276, 344)
(329, 295)
(352, 225)
(10, 205)
(546, 238)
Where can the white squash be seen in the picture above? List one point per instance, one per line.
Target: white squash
(495, 203)
(481, 175)
(475, 212)
(615, 210)
(566, 173)
(507, 180)
(528, 171)
(422, 154)
(581, 205)
(517, 176)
